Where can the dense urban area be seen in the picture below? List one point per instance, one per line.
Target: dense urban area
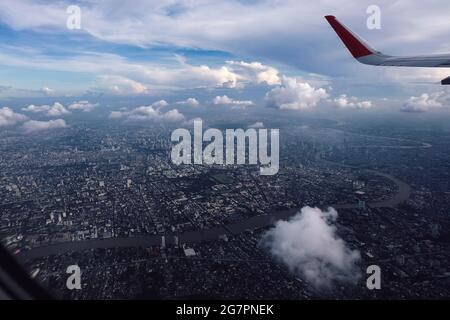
(108, 198)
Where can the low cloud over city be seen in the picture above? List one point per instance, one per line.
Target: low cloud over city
(309, 245)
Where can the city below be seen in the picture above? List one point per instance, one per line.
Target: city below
(107, 198)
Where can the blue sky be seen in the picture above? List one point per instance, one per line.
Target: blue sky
(273, 53)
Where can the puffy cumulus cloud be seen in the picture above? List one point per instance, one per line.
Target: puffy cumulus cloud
(149, 113)
(227, 101)
(55, 110)
(234, 74)
(257, 125)
(172, 116)
(309, 246)
(160, 104)
(295, 95)
(9, 118)
(121, 85)
(83, 105)
(36, 126)
(205, 76)
(345, 102)
(256, 72)
(191, 102)
(426, 102)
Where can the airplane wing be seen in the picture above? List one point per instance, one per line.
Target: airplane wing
(364, 53)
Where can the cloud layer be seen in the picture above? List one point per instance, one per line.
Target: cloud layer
(123, 58)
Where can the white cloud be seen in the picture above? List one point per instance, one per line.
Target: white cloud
(55, 110)
(172, 116)
(121, 85)
(9, 118)
(295, 95)
(35, 126)
(150, 113)
(426, 102)
(191, 102)
(36, 109)
(256, 72)
(136, 78)
(14, 13)
(83, 105)
(309, 246)
(345, 102)
(204, 76)
(225, 100)
(160, 104)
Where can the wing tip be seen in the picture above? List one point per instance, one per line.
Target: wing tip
(330, 18)
(355, 45)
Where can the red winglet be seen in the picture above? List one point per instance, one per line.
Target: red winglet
(356, 47)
